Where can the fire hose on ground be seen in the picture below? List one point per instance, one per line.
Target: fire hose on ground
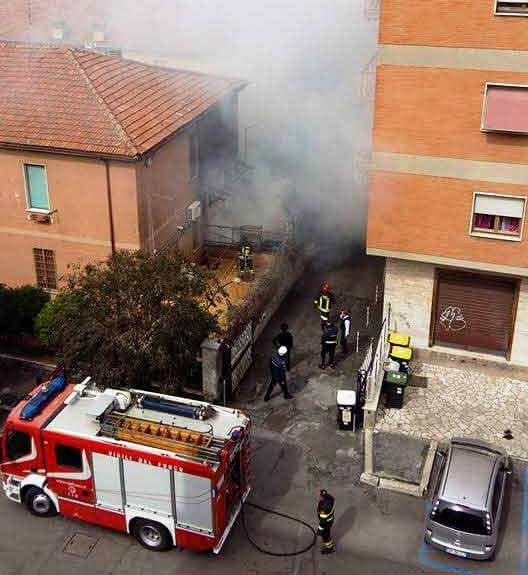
(279, 514)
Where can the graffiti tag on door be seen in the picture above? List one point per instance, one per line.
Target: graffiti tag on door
(453, 319)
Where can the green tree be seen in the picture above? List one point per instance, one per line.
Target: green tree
(48, 321)
(132, 319)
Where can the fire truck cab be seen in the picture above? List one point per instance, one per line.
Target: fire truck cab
(169, 470)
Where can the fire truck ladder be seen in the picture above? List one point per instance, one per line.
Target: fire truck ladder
(184, 442)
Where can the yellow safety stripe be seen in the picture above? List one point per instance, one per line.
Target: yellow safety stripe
(325, 515)
(324, 303)
(329, 543)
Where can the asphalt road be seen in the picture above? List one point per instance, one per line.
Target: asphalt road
(377, 533)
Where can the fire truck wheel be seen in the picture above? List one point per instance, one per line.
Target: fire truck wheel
(39, 503)
(152, 535)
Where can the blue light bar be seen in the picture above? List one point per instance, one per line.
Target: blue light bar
(37, 403)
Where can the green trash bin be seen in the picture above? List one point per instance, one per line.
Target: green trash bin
(394, 384)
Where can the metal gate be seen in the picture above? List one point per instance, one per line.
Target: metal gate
(474, 311)
(241, 355)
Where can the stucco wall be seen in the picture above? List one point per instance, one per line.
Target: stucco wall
(166, 190)
(409, 290)
(80, 229)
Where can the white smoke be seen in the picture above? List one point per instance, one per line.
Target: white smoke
(306, 119)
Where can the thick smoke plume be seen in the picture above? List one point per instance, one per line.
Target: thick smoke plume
(306, 118)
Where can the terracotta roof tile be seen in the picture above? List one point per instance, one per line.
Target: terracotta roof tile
(72, 99)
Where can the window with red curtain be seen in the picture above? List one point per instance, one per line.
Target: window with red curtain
(505, 109)
(500, 215)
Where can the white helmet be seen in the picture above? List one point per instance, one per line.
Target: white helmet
(283, 350)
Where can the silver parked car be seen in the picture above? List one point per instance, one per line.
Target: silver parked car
(467, 504)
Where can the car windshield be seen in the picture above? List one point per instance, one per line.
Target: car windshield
(461, 519)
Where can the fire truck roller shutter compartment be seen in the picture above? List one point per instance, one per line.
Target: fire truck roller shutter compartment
(147, 487)
(193, 502)
(107, 480)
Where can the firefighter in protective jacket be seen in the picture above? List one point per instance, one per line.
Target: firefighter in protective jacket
(325, 512)
(245, 258)
(324, 303)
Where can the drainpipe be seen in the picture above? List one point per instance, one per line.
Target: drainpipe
(110, 210)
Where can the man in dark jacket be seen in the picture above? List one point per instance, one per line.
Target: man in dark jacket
(328, 344)
(278, 373)
(325, 513)
(344, 324)
(284, 338)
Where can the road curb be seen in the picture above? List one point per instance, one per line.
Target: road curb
(26, 360)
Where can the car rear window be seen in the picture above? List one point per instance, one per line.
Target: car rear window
(461, 519)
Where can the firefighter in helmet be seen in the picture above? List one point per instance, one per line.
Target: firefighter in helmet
(325, 513)
(324, 303)
(246, 257)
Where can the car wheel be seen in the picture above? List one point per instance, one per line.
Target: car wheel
(492, 556)
(39, 503)
(152, 535)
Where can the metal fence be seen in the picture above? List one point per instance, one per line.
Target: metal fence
(377, 354)
(258, 237)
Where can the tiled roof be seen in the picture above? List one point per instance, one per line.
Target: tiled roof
(71, 99)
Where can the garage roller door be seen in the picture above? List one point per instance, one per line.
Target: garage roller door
(474, 312)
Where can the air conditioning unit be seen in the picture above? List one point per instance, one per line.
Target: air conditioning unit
(194, 211)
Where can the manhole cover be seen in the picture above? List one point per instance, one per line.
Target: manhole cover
(80, 545)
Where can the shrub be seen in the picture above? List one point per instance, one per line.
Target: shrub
(18, 309)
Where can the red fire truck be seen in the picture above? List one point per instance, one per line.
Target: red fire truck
(171, 471)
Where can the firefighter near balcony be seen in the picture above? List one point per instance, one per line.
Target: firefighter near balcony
(245, 258)
(323, 303)
(325, 513)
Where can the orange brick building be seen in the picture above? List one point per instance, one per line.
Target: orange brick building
(99, 153)
(447, 202)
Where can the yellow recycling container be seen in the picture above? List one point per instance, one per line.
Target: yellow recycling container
(401, 353)
(396, 338)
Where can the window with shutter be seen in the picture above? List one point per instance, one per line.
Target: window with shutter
(497, 216)
(511, 8)
(505, 109)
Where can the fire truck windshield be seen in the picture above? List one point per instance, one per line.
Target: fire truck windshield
(18, 444)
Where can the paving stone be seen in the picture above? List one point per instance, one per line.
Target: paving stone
(462, 401)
